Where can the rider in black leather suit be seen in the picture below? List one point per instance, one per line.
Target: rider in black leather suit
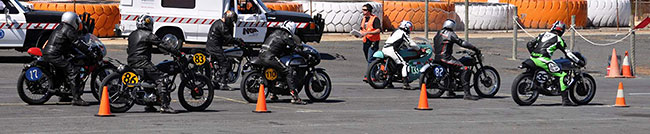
(221, 35)
(281, 43)
(139, 57)
(444, 48)
(61, 43)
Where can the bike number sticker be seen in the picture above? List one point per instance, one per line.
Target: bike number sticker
(130, 79)
(199, 59)
(270, 74)
(33, 74)
(439, 71)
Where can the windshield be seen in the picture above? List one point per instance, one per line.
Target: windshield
(21, 6)
(266, 9)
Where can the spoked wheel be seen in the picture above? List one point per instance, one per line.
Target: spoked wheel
(487, 82)
(118, 94)
(583, 90)
(379, 74)
(432, 83)
(34, 92)
(250, 86)
(196, 94)
(319, 86)
(523, 91)
(97, 77)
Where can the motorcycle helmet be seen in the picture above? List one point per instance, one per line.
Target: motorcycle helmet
(406, 25)
(290, 26)
(144, 22)
(230, 17)
(449, 24)
(558, 27)
(72, 19)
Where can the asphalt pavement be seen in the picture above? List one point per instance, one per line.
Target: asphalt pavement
(354, 107)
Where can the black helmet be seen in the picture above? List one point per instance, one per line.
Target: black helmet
(144, 22)
(230, 17)
(558, 27)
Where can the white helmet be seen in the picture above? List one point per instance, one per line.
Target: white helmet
(406, 25)
(290, 26)
(72, 19)
(449, 24)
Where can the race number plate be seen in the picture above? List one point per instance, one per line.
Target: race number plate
(33, 74)
(199, 59)
(129, 79)
(270, 74)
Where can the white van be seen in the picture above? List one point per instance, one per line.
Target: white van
(22, 28)
(190, 20)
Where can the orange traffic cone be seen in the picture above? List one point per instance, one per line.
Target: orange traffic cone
(261, 101)
(620, 96)
(104, 105)
(627, 72)
(424, 103)
(614, 71)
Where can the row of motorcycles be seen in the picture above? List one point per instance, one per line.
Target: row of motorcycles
(438, 78)
(126, 86)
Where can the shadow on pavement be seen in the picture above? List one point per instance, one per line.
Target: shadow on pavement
(15, 59)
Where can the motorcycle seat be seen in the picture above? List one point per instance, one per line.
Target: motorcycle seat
(256, 61)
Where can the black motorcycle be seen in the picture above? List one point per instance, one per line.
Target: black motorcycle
(315, 80)
(528, 85)
(439, 78)
(127, 86)
(40, 80)
(235, 56)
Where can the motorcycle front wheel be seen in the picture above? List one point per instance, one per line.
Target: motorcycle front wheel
(487, 82)
(196, 94)
(523, 90)
(379, 74)
(319, 86)
(250, 86)
(34, 92)
(583, 90)
(96, 79)
(118, 94)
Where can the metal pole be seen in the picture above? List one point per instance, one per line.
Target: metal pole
(311, 10)
(514, 37)
(617, 23)
(466, 20)
(633, 40)
(426, 19)
(573, 32)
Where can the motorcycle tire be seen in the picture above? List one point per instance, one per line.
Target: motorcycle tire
(188, 92)
(96, 79)
(517, 84)
(313, 89)
(427, 78)
(250, 86)
(494, 82)
(115, 86)
(375, 66)
(21, 87)
(579, 90)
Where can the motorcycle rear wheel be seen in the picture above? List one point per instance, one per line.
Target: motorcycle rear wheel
(378, 78)
(96, 79)
(197, 91)
(44, 84)
(432, 85)
(119, 96)
(523, 85)
(250, 86)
